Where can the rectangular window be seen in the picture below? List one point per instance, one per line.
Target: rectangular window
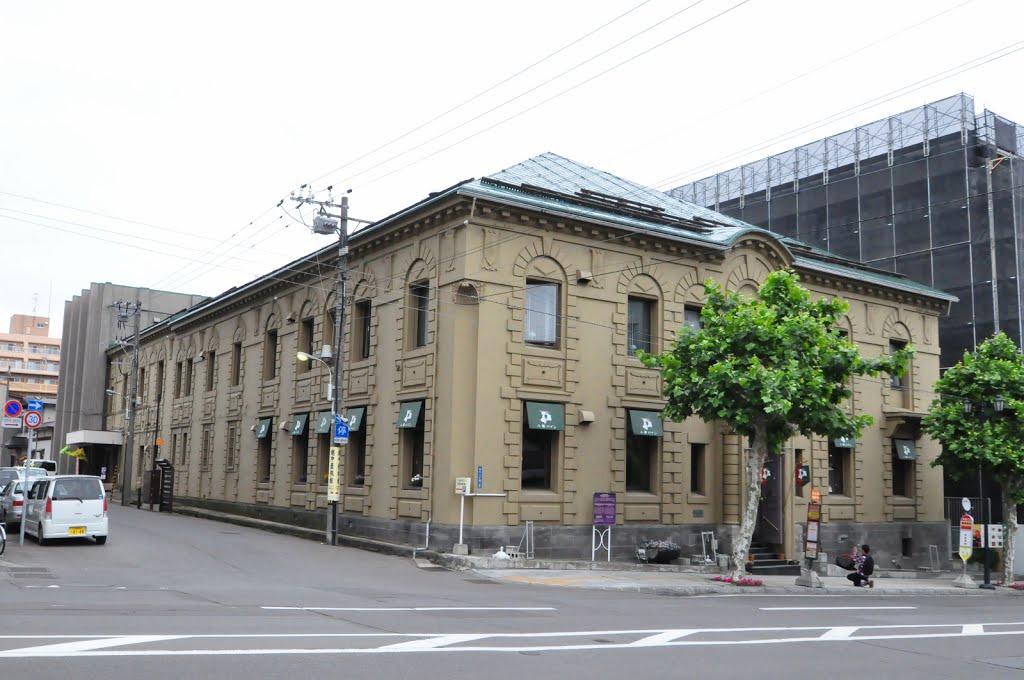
(300, 458)
(641, 453)
(698, 483)
(419, 297)
(231, 450)
(355, 454)
(540, 324)
(541, 424)
(802, 471)
(323, 457)
(691, 318)
(270, 355)
(205, 453)
(305, 344)
(412, 454)
(141, 387)
(159, 381)
(187, 387)
(839, 470)
(211, 369)
(178, 372)
(896, 381)
(361, 329)
(184, 449)
(236, 363)
(263, 459)
(639, 324)
(904, 453)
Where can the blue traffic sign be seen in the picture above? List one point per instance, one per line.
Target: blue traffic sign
(340, 433)
(35, 405)
(12, 409)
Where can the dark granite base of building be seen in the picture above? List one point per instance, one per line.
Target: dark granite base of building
(552, 541)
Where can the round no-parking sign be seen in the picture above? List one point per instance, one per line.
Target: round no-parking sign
(33, 419)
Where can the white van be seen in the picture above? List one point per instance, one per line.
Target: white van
(67, 506)
(42, 464)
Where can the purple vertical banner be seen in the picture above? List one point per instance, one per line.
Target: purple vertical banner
(604, 508)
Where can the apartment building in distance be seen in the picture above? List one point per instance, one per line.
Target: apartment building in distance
(29, 358)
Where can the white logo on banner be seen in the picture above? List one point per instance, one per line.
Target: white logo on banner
(647, 424)
(545, 417)
(408, 416)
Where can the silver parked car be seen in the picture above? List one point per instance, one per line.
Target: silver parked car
(12, 501)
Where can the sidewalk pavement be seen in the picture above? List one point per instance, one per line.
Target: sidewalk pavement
(683, 581)
(626, 576)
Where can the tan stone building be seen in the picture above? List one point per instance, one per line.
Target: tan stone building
(490, 334)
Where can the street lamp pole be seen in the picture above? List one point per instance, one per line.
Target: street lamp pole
(983, 415)
(303, 356)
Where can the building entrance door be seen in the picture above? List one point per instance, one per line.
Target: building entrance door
(769, 510)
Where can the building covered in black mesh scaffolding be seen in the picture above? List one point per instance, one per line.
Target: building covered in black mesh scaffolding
(935, 193)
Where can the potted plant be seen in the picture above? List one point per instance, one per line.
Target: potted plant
(358, 480)
(417, 480)
(658, 552)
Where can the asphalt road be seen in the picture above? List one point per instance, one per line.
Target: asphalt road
(172, 596)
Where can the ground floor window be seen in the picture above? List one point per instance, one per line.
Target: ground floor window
(904, 457)
(323, 456)
(300, 458)
(698, 469)
(413, 442)
(542, 424)
(263, 453)
(642, 438)
(840, 480)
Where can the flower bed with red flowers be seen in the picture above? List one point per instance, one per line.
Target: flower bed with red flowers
(746, 581)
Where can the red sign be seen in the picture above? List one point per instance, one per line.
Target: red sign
(966, 523)
(33, 419)
(12, 409)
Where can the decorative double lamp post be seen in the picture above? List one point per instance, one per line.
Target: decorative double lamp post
(983, 414)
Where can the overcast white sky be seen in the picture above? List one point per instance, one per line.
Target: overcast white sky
(197, 118)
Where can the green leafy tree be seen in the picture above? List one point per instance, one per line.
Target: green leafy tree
(767, 366)
(985, 438)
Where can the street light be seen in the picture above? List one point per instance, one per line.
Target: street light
(983, 414)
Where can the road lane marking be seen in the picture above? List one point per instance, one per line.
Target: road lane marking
(823, 609)
(431, 643)
(73, 648)
(406, 643)
(412, 609)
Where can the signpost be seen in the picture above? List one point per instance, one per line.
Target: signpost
(604, 516)
(35, 405)
(12, 409)
(12, 423)
(462, 485)
(966, 537)
(33, 419)
(479, 477)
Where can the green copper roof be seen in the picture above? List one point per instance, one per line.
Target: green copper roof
(553, 183)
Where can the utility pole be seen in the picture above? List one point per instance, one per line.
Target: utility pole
(129, 440)
(124, 310)
(325, 223)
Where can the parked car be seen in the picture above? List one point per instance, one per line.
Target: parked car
(12, 501)
(67, 506)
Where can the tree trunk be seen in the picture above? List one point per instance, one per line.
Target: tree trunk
(755, 459)
(1010, 516)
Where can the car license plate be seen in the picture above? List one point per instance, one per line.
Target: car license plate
(76, 531)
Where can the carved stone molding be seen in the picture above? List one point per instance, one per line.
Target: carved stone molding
(543, 372)
(414, 372)
(643, 382)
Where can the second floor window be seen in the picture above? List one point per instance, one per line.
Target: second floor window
(894, 380)
(236, 363)
(270, 355)
(361, 328)
(541, 317)
(640, 314)
(419, 296)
